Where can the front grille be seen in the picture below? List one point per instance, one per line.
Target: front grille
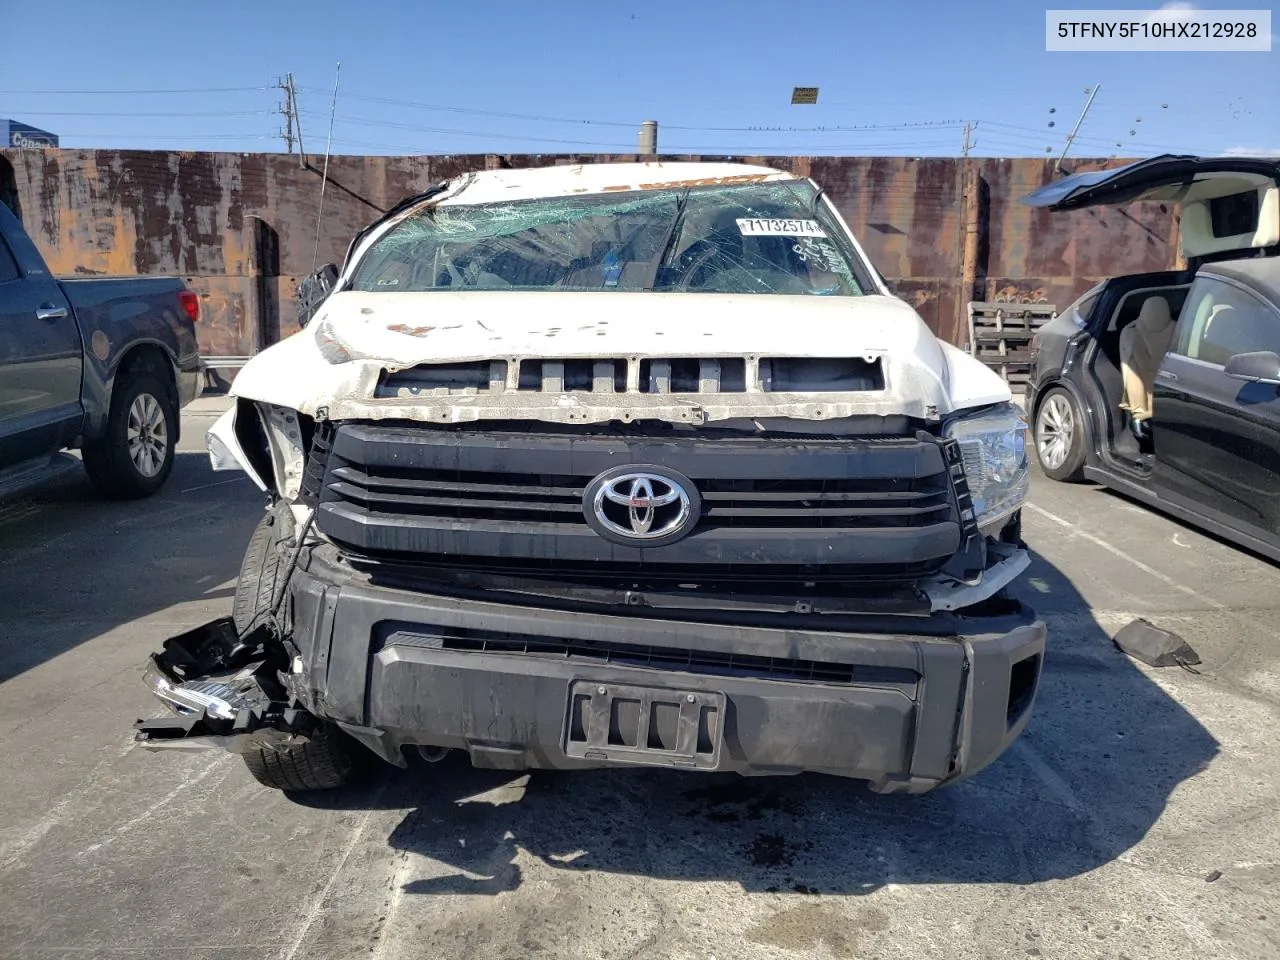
(684, 659)
(397, 490)
(557, 499)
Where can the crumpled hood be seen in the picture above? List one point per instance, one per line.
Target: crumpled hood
(356, 339)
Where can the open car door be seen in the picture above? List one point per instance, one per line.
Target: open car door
(1217, 398)
(1229, 204)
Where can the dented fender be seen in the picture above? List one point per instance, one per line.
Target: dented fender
(225, 452)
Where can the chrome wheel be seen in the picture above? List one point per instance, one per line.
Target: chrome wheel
(148, 435)
(1055, 428)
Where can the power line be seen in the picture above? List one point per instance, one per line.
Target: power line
(190, 113)
(807, 149)
(146, 136)
(1033, 133)
(580, 121)
(468, 133)
(483, 113)
(531, 138)
(1043, 136)
(833, 128)
(81, 93)
(719, 150)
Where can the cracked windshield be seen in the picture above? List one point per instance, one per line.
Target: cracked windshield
(766, 238)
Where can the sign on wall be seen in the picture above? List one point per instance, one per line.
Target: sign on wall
(26, 137)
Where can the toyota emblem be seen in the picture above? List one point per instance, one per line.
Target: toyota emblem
(641, 505)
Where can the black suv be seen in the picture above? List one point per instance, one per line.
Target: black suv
(1166, 386)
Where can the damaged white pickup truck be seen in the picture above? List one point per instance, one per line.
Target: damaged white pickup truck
(617, 464)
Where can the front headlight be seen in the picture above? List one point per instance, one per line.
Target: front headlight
(993, 445)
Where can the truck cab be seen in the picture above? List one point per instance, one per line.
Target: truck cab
(102, 365)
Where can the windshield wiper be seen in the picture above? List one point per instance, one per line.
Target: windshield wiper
(665, 250)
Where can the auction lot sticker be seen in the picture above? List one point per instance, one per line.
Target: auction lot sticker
(764, 227)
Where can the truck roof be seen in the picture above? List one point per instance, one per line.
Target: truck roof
(493, 186)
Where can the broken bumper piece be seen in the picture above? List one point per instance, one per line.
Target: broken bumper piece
(217, 699)
(217, 688)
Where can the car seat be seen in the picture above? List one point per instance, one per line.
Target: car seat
(1143, 345)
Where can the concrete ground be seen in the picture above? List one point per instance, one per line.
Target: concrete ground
(1138, 817)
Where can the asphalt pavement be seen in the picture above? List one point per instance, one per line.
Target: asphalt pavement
(1136, 818)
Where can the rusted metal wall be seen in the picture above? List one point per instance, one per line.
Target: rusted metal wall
(242, 228)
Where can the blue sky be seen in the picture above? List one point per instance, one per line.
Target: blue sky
(569, 76)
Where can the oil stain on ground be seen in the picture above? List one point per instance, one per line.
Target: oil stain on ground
(774, 850)
(731, 802)
(811, 926)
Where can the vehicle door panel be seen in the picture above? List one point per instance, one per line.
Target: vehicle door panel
(1217, 439)
(1157, 178)
(40, 366)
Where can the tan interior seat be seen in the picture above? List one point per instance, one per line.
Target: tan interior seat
(1143, 345)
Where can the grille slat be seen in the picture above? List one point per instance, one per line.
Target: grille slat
(826, 511)
(716, 496)
(361, 478)
(420, 504)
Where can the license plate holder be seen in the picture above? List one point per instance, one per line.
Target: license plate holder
(651, 726)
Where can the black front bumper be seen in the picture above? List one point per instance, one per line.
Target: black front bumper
(903, 702)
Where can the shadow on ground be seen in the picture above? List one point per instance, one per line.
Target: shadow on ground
(1105, 749)
(74, 565)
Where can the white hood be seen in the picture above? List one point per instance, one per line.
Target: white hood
(387, 332)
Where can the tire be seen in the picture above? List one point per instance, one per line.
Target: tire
(1059, 436)
(262, 568)
(134, 456)
(326, 759)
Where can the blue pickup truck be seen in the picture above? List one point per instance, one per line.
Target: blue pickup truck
(100, 364)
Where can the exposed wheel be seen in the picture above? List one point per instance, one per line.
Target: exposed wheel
(327, 758)
(134, 457)
(263, 567)
(1059, 436)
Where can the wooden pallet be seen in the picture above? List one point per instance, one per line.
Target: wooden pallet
(1000, 336)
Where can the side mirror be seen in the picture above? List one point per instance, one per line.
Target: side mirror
(313, 290)
(1260, 367)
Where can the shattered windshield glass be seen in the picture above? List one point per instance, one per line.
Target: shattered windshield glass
(759, 238)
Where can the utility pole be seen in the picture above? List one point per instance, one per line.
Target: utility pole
(292, 118)
(286, 110)
(297, 121)
(968, 144)
(1076, 129)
